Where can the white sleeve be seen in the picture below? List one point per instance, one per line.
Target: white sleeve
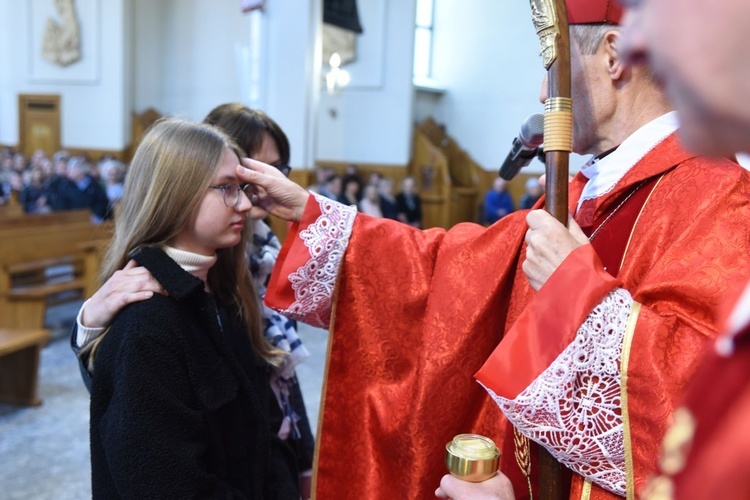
(85, 334)
(573, 408)
(313, 283)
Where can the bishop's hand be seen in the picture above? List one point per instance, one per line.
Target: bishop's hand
(549, 244)
(276, 195)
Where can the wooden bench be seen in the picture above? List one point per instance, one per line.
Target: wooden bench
(33, 286)
(34, 245)
(12, 206)
(43, 259)
(19, 365)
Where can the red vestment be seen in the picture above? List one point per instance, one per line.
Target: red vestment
(706, 451)
(417, 313)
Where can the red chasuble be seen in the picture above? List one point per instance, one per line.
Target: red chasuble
(416, 315)
(706, 450)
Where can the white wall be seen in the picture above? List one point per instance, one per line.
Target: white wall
(292, 36)
(8, 100)
(94, 114)
(372, 122)
(192, 55)
(148, 54)
(487, 56)
(185, 60)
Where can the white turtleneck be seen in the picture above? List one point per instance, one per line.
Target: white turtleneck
(193, 263)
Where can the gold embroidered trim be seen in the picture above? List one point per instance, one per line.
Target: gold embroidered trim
(626, 346)
(316, 449)
(586, 492)
(523, 457)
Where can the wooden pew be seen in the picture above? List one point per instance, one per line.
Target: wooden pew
(33, 245)
(12, 207)
(42, 258)
(19, 365)
(453, 193)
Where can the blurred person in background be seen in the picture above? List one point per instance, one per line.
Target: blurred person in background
(388, 203)
(531, 195)
(34, 194)
(497, 202)
(370, 202)
(80, 190)
(351, 191)
(409, 204)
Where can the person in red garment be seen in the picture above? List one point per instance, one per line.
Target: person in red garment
(694, 49)
(596, 335)
(583, 336)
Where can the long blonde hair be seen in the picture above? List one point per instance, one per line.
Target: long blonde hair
(167, 179)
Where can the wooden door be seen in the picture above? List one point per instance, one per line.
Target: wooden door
(38, 123)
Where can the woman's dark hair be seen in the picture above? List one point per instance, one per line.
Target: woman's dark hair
(247, 126)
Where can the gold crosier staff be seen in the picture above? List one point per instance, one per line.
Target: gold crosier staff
(551, 22)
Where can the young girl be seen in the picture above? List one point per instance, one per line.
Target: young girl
(180, 393)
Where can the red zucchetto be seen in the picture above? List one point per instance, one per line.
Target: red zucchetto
(593, 11)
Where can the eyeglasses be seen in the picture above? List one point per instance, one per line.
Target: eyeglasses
(231, 193)
(285, 169)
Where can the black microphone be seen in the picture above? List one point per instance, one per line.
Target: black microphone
(525, 147)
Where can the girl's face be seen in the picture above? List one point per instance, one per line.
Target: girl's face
(214, 225)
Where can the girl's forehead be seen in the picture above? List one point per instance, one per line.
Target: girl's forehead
(227, 165)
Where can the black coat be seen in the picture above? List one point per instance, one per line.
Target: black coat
(176, 410)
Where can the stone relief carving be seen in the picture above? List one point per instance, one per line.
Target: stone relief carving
(339, 40)
(62, 41)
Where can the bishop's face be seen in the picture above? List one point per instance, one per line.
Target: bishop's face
(699, 52)
(591, 100)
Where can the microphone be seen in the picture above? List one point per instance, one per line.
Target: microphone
(525, 147)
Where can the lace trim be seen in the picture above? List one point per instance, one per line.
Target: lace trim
(313, 284)
(574, 408)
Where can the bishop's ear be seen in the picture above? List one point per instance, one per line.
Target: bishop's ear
(615, 64)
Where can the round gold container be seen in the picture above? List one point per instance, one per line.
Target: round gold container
(472, 457)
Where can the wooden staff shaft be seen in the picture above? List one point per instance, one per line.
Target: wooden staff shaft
(558, 85)
(556, 190)
(554, 478)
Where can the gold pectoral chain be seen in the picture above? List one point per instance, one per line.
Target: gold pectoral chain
(523, 457)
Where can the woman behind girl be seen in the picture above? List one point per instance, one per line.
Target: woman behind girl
(180, 396)
(261, 138)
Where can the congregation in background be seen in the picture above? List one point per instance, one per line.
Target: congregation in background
(64, 181)
(374, 197)
(43, 184)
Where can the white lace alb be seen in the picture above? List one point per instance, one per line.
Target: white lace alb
(313, 283)
(574, 408)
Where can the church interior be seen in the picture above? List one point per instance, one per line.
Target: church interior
(432, 90)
